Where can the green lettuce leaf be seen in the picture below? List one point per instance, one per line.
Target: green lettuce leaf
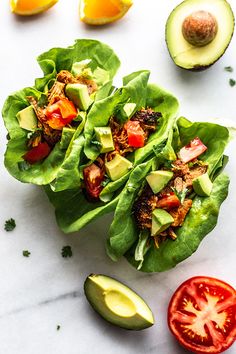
(73, 211)
(215, 138)
(51, 62)
(56, 59)
(201, 220)
(160, 101)
(100, 113)
(40, 173)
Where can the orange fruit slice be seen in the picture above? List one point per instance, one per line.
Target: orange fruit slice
(31, 7)
(101, 12)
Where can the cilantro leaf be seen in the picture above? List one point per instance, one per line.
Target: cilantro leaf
(26, 253)
(66, 252)
(10, 225)
(232, 82)
(229, 69)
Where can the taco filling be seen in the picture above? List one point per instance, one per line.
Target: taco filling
(166, 197)
(115, 142)
(57, 112)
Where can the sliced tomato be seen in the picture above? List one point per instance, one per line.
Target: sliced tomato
(168, 202)
(136, 135)
(202, 315)
(37, 153)
(93, 177)
(192, 150)
(60, 113)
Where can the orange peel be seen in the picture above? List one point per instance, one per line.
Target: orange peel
(94, 12)
(30, 7)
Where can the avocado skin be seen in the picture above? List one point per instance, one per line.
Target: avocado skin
(96, 309)
(199, 68)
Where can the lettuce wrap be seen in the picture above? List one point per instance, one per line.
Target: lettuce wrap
(73, 210)
(127, 239)
(89, 63)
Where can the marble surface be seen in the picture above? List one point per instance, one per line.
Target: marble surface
(45, 290)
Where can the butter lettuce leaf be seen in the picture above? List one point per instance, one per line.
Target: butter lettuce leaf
(203, 215)
(160, 101)
(73, 211)
(51, 62)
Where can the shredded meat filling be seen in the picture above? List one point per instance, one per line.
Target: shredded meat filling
(179, 214)
(66, 77)
(182, 180)
(148, 120)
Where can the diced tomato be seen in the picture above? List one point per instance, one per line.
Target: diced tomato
(136, 135)
(93, 177)
(37, 153)
(192, 150)
(202, 315)
(168, 202)
(60, 113)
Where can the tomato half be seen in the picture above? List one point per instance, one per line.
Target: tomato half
(136, 135)
(93, 177)
(37, 153)
(168, 202)
(192, 150)
(202, 315)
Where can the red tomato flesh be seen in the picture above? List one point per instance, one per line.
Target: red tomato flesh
(168, 202)
(60, 113)
(136, 135)
(93, 177)
(192, 150)
(37, 153)
(202, 315)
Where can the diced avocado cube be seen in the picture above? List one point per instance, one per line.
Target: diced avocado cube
(161, 220)
(118, 167)
(27, 118)
(101, 76)
(126, 111)
(104, 136)
(202, 185)
(78, 94)
(67, 134)
(157, 180)
(79, 66)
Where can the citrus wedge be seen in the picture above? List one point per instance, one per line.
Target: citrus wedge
(30, 7)
(94, 12)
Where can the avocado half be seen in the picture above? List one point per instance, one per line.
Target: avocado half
(198, 32)
(117, 303)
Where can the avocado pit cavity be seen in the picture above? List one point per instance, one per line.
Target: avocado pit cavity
(200, 28)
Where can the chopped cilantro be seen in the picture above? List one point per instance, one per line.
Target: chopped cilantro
(66, 252)
(26, 253)
(10, 225)
(232, 82)
(180, 194)
(58, 327)
(229, 69)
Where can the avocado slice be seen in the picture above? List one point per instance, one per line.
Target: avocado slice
(161, 220)
(79, 66)
(117, 303)
(126, 111)
(157, 180)
(27, 118)
(202, 185)
(118, 167)
(198, 32)
(104, 136)
(78, 94)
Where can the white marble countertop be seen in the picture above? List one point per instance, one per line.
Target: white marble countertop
(45, 290)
